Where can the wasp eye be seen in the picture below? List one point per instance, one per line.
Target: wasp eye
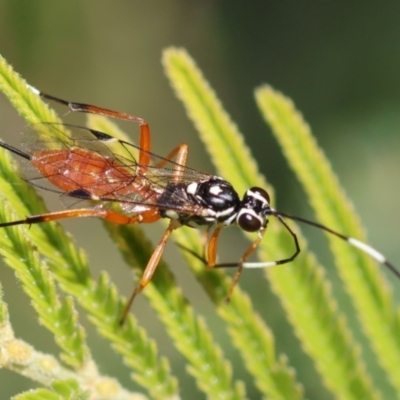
(248, 222)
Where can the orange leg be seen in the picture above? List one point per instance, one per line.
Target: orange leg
(145, 136)
(212, 257)
(86, 108)
(180, 153)
(144, 144)
(149, 270)
(244, 257)
(111, 216)
(212, 248)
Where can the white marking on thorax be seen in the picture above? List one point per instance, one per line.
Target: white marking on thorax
(191, 188)
(215, 190)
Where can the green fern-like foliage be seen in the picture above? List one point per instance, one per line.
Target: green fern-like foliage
(47, 262)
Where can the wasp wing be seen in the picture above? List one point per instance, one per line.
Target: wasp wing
(109, 170)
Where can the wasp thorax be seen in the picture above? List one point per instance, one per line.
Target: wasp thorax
(217, 194)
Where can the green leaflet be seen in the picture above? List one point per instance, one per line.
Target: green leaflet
(300, 285)
(366, 286)
(69, 264)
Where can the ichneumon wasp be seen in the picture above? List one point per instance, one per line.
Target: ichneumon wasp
(134, 185)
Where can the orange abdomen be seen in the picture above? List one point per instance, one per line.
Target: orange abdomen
(72, 169)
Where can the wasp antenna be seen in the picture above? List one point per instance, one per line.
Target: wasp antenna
(47, 96)
(365, 248)
(15, 150)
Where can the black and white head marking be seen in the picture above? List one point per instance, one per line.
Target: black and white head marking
(252, 215)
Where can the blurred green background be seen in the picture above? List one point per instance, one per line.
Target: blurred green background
(339, 62)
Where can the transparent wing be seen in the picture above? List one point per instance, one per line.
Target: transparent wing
(109, 171)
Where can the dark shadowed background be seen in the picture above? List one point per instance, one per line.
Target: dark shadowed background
(339, 62)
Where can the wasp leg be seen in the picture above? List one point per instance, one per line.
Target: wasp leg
(180, 153)
(111, 216)
(149, 270)
(145, 135)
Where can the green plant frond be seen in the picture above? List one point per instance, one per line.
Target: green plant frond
(272, 375)
(4, 316)
(104, 124)
(38, 283)
(58, 316)
(6, 331)
(17, 355)
(50, 238)
(100, 301)
(69, 263)
(68, 390)
(219, 133)
(27, 103)
(105, 389)
(361, 275)
(39, 394)
(300, 285)
(189, 333)
(249, 333)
